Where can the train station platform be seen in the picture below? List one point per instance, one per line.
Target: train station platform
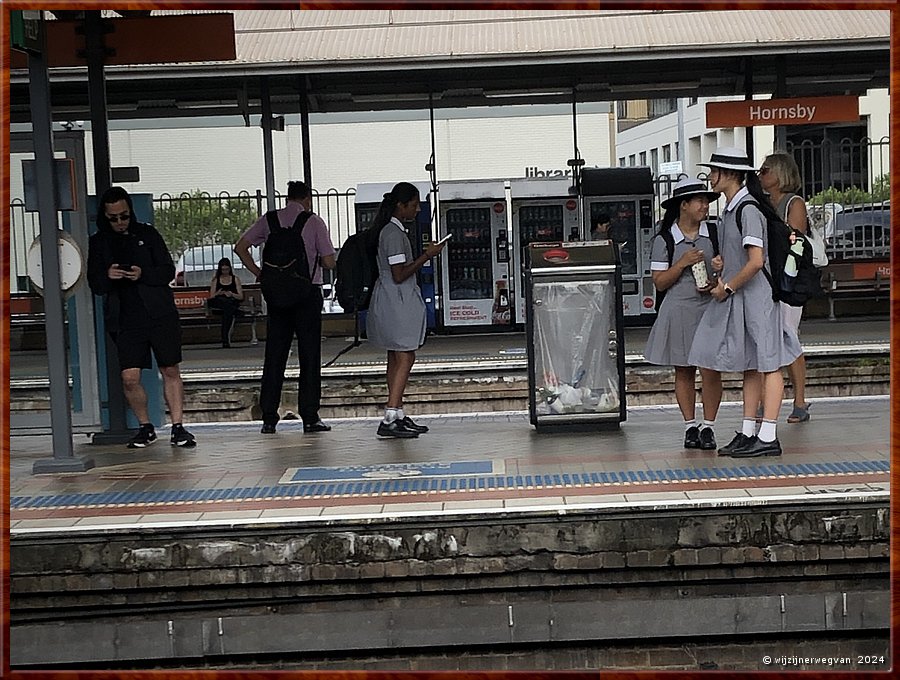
(480, 545)
(491, 462)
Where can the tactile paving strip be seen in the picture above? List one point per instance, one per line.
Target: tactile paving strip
(450, 484)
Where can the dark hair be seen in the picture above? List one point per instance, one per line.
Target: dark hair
(669, 218)
(756, 190)
(403, 192)
(602, 218)
(222, 263)
(297, 191)
(113, 195)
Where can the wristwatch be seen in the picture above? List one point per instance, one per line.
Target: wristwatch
(729, 291)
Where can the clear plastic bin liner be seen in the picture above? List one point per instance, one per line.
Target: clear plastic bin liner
(575, 371)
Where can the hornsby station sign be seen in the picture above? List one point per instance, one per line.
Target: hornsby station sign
(799, 111)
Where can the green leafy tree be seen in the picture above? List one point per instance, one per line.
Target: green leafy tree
(197, 219)
(881, 191)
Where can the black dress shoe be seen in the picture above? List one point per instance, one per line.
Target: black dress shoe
(395, 429)
(268, 428)
(739, 439)
(707, 439)
(692, 437)
(754, 447)
(317, 426)
(409, 424)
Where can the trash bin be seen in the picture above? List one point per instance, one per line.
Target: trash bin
(573, 322)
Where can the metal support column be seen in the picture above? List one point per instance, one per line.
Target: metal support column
(63, 459)
(576, 162)
(748, 94)
(95, 54)
(780, 91)
(304, 133)
(266, 123)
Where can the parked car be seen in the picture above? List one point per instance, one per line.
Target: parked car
(861, 231)
(198, 265)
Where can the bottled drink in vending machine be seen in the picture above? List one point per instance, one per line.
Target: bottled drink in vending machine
(500, 314)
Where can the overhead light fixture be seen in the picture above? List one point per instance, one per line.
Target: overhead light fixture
(660, 87)
(506, 94)
(394, 97)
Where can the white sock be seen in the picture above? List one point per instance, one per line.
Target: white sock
(689, 424)
(748, 427)
(707, 423)
(767, 431)
(390, 415)
(400, 414)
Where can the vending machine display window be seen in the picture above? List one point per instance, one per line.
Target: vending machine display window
(622, 229)
(469, 253)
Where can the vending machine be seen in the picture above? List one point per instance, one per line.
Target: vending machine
(618, 205)
(369, 197)
(475, 277)
(543, 211)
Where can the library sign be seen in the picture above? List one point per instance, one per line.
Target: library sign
(799, 111)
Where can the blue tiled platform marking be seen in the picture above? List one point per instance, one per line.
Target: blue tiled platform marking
(444, 483)
(392, 471)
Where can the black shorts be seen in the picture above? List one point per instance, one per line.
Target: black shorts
(164, 338)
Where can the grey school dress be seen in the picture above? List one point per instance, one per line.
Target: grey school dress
(679, 314)
(745, 331)
(396, 318)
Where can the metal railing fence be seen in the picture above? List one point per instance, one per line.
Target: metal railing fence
(857, 229)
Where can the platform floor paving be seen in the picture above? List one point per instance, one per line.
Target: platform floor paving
(474, 464)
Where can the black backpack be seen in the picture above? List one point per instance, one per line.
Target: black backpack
(670, 251)
(792, 290)
(357, 270)
(285, 278)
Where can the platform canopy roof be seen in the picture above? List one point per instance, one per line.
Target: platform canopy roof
(356, 60)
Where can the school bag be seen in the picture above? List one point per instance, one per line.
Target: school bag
(357, 270)
(813, 235)
(284, 276)
(670, 251)
(355, 275)
(791, 273)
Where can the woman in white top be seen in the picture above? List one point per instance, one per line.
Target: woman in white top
(780, 179)
(396, 316)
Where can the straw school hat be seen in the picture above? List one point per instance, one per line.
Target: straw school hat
(686, 189)
(729, 158)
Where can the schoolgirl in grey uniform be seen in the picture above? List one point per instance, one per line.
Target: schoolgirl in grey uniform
(742, 329)
(673, 331)
(396, 317)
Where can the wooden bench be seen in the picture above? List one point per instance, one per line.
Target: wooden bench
(859, 280)
(192, 308)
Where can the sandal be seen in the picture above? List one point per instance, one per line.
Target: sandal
(800, 414)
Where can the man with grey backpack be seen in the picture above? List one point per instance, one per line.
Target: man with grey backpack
(297, 248)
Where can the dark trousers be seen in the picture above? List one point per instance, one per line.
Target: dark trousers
(305, 322)
(229, 308)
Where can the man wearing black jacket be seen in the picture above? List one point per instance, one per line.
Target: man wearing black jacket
(129, 264)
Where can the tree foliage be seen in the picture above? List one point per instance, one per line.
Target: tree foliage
(881, 191)
(197, 219)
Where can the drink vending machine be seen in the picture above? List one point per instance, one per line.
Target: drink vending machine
(369, 197)
(476, 265)
(618, 205)
(543, 211)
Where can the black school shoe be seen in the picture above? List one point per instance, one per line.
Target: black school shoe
(739, 439)
(707, 439)
(755, 447)
(268, 428)
(396, 429)
(409, 424)
(317, 426)
(692, 437)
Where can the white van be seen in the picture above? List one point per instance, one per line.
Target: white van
(197, 265)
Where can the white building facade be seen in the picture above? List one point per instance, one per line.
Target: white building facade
(682, 135)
